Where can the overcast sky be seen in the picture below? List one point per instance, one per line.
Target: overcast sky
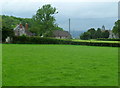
(84, 15)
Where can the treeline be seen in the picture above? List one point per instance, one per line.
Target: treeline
(100, 33)
(10, 22)
(94, 34)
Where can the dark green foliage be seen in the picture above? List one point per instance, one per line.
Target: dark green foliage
(9, 22)
(116, 28)
(85, 36)
(105, 34)
(94, 34)
(39, 40)
(6, 32)
(36, 40)
(44, 21)
(23, 21)
(98, 33)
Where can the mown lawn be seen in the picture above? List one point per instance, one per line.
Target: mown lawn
(59, 65)
(0, 65)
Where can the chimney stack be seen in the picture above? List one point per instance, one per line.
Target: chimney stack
(20, 25)
(26, 26)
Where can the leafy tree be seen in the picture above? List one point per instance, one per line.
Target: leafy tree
(6, 32)
(92, 32)
(44, 21)
(26, 20)
(85, 36)
(105, 34)
(116, 28)
(9, 22)
(98, 33)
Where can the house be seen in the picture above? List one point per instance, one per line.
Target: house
(20, 30)
(112, 35)
(59, 34)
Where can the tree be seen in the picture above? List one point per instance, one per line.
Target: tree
(116, 28)
(6, 32)
(105, 34)
(44, 21)
(92, 32)
(9, 22)
(85, 36)
(98, 33)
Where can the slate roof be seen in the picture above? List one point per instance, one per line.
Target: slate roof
(29, 33)
(60, 33)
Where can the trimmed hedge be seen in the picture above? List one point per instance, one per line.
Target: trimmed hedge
(39, 40)
(108, 39)
(36, 40)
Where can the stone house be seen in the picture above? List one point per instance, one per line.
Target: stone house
(112, 35)
(20, 30)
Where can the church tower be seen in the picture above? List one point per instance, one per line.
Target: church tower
(103, 28)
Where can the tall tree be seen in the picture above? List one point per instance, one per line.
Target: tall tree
(92, 32)
(85, 36)
(44, 21)
(116, 28)
(98, 33)
(105, 34)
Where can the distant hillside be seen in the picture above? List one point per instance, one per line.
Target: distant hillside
(10, 21)
(76, 34)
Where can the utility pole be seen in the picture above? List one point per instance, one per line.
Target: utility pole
(69, 25)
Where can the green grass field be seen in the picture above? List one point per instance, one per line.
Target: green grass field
(0, 65)
(59, 65)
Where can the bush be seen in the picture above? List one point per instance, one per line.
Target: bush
(39, 40)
